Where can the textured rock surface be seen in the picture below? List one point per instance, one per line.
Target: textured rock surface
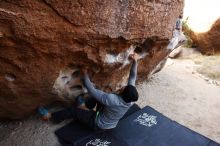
(208, 42)
(44, 41)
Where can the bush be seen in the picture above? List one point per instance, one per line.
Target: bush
(187, 32)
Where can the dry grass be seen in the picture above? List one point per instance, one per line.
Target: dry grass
(209, 66)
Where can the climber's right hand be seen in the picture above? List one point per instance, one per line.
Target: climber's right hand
(134, 56)
(84, 71)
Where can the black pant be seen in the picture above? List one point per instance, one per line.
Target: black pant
(87, 117)
(90, 103)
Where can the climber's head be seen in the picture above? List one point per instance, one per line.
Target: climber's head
(130, 94)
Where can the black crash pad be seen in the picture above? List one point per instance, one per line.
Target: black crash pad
(74, 133)
(145, 127)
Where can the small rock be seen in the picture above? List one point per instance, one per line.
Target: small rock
(175, 53)
(13, 132)
(20, 123)
(206, 79)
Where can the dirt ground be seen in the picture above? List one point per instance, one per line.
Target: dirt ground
(179, 91)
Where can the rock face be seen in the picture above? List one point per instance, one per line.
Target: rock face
(44, 43)
(208, 42)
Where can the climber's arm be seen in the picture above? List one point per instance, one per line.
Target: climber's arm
(99, 95)
(133, 72)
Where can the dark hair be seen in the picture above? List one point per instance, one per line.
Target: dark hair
(130, 94)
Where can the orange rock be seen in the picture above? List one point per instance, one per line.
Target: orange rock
(209, 42)
(42, 39)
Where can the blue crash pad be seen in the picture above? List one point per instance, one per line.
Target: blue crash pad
(145, 127)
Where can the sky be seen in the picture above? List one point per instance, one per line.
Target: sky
(202, 14)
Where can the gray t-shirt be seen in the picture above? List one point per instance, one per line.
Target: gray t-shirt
(114, 109)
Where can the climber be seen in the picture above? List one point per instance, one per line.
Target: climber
(178, 25)
(114, 106)
(178, 37)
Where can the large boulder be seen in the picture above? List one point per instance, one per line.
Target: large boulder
(208, 42)
(43, 45)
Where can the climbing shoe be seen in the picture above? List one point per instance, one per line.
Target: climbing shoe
(80, 100)
(44, 113)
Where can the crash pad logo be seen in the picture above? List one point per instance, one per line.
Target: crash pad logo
(98, 142)
(146, 119)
